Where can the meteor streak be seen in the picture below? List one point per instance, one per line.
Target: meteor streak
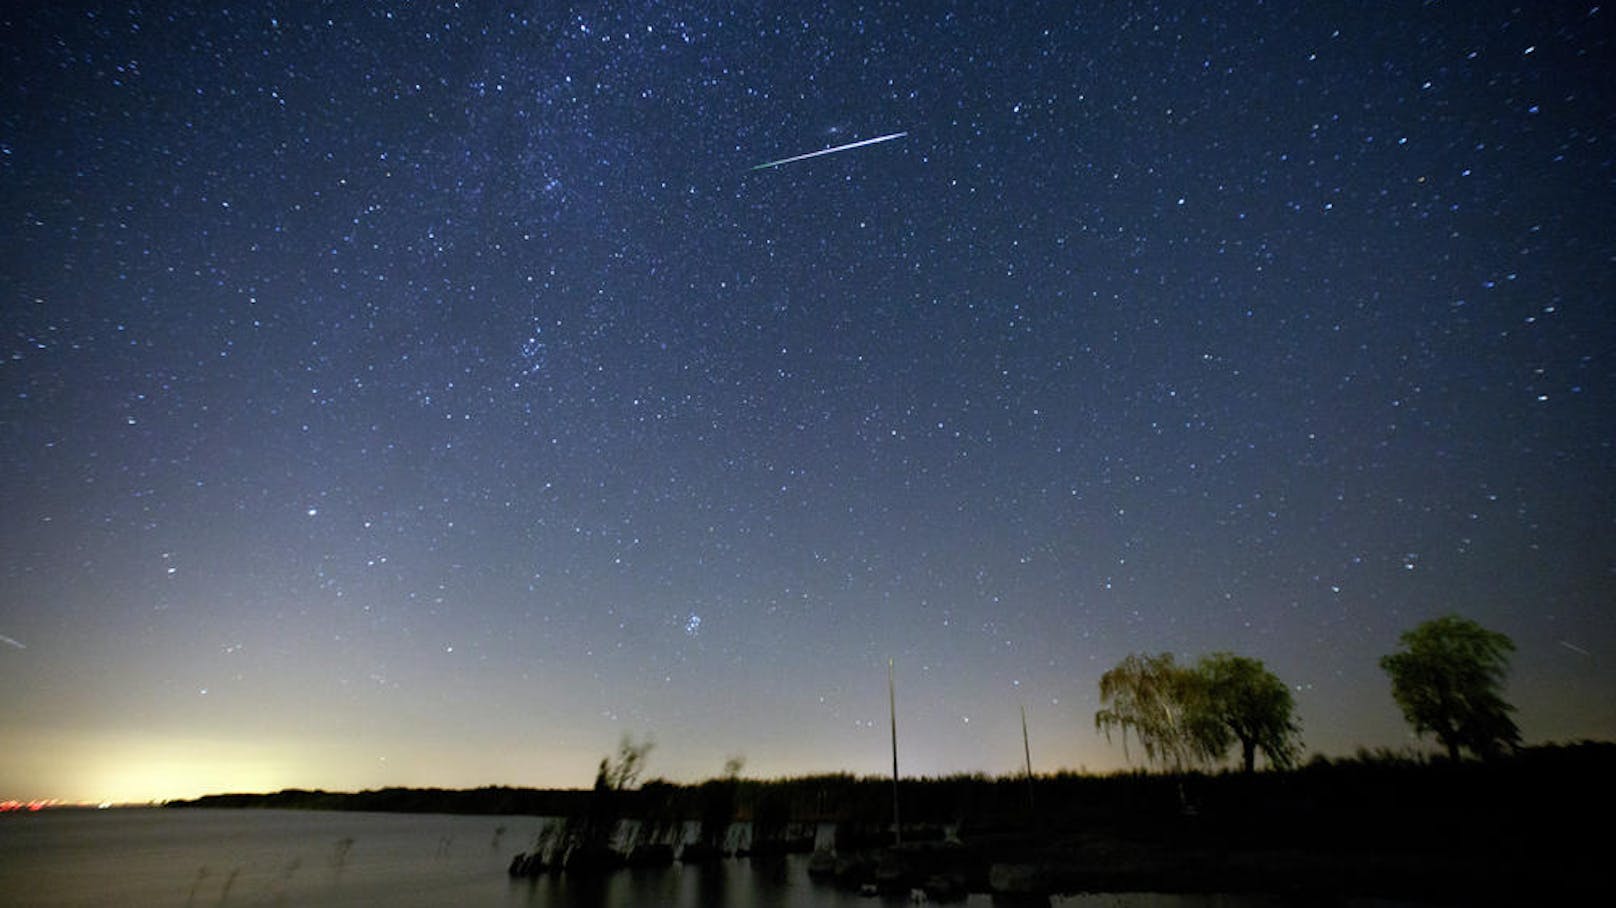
(815, 154)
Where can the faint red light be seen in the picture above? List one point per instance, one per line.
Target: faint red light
(30, 806)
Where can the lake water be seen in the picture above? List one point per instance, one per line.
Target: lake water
(197, 858)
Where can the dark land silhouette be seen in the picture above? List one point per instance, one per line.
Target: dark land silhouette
(1502, 830)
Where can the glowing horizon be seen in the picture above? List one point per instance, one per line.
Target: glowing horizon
(431, 399)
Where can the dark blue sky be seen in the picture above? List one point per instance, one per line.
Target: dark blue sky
(431, 394)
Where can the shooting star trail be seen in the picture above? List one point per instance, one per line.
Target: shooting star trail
(815, 154)
(5, 639)
(1574, 648)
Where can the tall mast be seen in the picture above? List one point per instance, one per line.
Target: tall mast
(1026, 748)
(892, 705)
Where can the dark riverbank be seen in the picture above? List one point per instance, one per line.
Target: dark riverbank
(1506, 831)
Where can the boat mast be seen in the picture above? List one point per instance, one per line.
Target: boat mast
(1026, 748)
(892, 705)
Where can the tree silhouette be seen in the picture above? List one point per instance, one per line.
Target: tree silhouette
(1447, 680)
(1164, 706)
(1254, 705)
(587, 841)
(622, 773)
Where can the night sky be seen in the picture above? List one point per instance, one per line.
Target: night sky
(431, 394)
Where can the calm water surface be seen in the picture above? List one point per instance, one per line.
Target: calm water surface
(307, 858)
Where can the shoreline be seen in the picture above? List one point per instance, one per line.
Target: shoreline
(1495, 832)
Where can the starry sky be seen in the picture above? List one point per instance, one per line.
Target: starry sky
(431, 394)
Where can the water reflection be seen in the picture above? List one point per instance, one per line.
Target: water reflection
(710, 884)
(264, 857)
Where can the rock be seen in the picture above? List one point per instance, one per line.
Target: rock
(945, 887)
(651, 855)
(822, 866)
(700, 853)
(1018, 879)
(853, 871)
(892, 874)
(772, 847)
(597, 859)
(527, 864)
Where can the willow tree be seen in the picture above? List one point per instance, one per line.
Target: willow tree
(1255, 707)
(1447, 680)
(1163, 705)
